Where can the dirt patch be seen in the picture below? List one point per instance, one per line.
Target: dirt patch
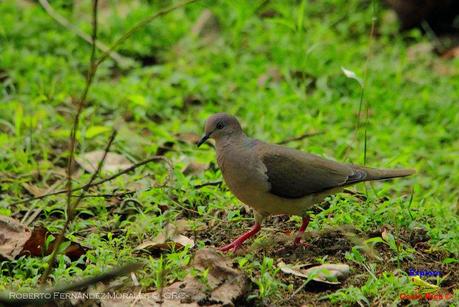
(276, 238)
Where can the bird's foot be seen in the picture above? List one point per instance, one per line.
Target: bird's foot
(233, 246)
(297, 242)
(300, 243)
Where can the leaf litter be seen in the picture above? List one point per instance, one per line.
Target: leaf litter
(16, 239)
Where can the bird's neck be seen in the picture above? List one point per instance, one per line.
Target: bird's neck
(226, 142)
(227, 145)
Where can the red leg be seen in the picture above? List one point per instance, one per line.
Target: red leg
(238, 242)
(301, 230)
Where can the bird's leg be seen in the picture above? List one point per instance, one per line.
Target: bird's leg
(301, 230)
(238, 242)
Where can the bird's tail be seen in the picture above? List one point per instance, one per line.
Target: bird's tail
(380, 174)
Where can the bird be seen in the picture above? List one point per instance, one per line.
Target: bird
(274, 179)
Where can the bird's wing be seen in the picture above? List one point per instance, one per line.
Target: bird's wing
(295, 174)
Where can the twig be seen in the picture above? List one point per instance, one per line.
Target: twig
(81, 103)
(212, 183)
(299, 138)
(93, 65)
(122, 172)
(365, 74)
(119, 59)
(19, 299)
(71, 209)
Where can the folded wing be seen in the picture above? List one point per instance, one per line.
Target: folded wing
(295, 174)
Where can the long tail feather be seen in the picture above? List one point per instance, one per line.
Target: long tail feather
(379, 174)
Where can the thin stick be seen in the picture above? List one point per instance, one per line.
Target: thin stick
(119, 59)
(205, 184)
(81, 104)
(299, 138)
(71, 210)
(114, 176)
(93, 65)
(362, 92)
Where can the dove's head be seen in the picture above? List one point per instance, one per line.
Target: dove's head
(220, 125)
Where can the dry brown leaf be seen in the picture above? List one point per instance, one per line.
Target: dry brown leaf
(168, 238)
(113, 162)
(271, 75)
(13, 236)
(206, 27)
(35, 246)
(188, 137)
(325, 273)
(34, 190)
(17, 239)
(419, 50)
(451, 53)
(226, 282)
(194, 168)
(224, 285)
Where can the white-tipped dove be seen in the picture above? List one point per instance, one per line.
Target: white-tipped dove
(274, 179)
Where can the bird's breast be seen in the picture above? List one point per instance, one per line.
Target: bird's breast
(243, 174)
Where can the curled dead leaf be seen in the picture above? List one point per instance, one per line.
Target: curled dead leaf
(222, 287)
(13, 236)
(188, 137)
(168, 238)
(17, 239)
(113, 162)
(325, 273)
(226, 282)
(272, 75)
(206, 27)
(194, 168)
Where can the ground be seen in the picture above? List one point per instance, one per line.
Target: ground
(286, 69)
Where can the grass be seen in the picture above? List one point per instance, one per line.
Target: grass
(277, 66)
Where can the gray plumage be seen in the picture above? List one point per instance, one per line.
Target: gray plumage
(274, 179)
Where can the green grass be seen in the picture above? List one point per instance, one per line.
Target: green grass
(413, 122)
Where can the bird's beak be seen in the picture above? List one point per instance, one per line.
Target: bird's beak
(204, 139)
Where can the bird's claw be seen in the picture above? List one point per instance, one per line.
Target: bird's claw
(233, 247)
(298, 242)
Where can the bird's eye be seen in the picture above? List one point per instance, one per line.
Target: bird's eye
(220, 125)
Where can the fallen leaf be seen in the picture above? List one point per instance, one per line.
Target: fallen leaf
(17, 239)
(352, 75)
(188, 137)
(451, 53)
(35, 246)
(164, 148)
(168, 238)
(34, 190)
(419, 50)
(13, 236)
(271, 75)
(324, 273)
(36, 243)
(226, 282)
(113, 162)
(223, 287)
(194, 168)
(206, 27)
